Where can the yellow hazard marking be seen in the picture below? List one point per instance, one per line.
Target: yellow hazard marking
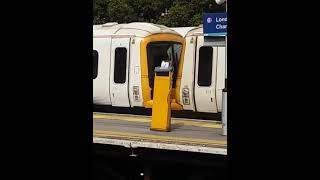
(146, 119)
(150, 137)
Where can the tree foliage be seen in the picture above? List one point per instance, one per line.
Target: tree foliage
(172, 13)
(179, 15)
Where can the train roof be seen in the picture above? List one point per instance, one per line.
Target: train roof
(182, 30)
(96, 26)
(189, 31)
(140, 29)
(197, 31)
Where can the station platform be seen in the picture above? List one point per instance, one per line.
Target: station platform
(133, 131)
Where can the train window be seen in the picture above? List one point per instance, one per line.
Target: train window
(205, 66)
(120, 65)
(95, 64)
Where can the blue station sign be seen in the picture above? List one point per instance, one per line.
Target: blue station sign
(215, 24)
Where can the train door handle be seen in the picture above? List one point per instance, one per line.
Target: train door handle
(211, 99)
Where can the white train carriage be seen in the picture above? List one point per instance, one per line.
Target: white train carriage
(124, 58)
(203, 72)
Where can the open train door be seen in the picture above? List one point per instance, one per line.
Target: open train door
(119, 71)
(205, 77)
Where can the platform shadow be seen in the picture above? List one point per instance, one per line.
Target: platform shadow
(176, 126)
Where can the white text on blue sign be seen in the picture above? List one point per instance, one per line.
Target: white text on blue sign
(219, 20)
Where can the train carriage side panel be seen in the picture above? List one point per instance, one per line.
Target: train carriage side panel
(220, 76)
(120, 54)
(205, 77)
(135, 87)
(101, 94)
(186, 90)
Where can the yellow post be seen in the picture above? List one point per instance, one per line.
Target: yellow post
(161, 109)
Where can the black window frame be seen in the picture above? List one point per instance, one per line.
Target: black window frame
(205, 75)
(95, 64)
(120, 70)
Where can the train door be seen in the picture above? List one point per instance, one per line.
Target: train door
(158, 52)
(220, 84)
(205, 77)
(101, 60)
(119, 72)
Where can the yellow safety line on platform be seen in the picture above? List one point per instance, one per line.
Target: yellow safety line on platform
(100, 114)
(159, 138)
(145, 119)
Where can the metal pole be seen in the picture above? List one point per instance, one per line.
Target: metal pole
(224, 95)
(224, 113)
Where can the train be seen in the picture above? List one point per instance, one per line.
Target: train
(125, 56)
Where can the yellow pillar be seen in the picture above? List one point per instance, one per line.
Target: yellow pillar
(161, 108)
